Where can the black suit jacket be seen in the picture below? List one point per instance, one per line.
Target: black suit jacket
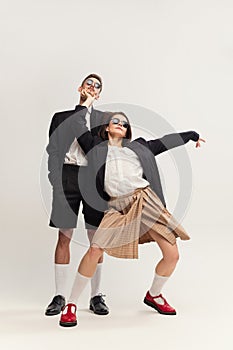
(97, 149)
(61, 137)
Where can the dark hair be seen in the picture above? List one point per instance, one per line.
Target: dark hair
(105, 122)
(93, 75)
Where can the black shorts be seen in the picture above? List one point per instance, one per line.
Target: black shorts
(66, 203)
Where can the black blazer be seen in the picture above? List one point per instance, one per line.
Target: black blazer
(61, 137)
(96, 150)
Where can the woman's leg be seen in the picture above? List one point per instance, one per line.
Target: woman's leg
(85, 271)
(163, 271)
(90, 260)
(167, 264)
(95, 281)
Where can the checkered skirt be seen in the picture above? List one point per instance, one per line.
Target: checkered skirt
(131, 220)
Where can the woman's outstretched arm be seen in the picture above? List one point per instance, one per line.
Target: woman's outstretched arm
(170, 141)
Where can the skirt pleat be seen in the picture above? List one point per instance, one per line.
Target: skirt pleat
(131, 220)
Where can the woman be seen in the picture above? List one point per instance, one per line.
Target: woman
(127, 174)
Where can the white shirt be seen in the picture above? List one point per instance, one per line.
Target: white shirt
(75, 155)
(123, 172)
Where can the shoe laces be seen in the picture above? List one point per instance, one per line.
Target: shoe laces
(102, 296)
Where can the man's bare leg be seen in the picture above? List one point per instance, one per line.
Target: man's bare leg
(62, 260)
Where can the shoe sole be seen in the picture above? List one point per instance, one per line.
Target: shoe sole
(98, 313)
(147, 302)
(52, 314)
(68, 324)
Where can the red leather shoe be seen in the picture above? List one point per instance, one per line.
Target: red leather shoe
(163, 308)
(68, 316)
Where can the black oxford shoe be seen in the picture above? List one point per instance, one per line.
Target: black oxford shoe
(55, 306)
(98, 306)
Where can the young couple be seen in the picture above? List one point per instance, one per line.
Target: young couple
(123, 174)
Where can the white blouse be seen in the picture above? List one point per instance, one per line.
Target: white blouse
(123, 172)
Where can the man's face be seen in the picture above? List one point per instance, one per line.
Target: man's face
(91, 86)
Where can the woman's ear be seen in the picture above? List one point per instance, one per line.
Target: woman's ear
(107, 129)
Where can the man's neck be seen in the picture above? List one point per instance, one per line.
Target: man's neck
(81, 104)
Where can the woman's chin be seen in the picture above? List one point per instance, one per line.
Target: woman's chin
(118, 133)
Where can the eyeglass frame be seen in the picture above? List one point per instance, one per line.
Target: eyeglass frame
(124, 123)
(90, 82)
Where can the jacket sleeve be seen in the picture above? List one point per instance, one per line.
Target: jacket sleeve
(171, 141)
(53, 124)
(53, 156)
(81, 132)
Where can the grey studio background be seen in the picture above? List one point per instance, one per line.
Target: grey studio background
(170, 57)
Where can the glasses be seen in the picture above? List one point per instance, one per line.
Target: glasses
(90, 82)
(123, 122)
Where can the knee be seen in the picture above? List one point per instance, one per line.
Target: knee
(95, 253)
(174, 257)
(64, 237)
(101, 259)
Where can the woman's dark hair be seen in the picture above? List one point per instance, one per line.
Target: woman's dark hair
(96, 76)
(105, 122)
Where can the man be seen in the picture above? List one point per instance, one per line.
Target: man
(65, 159)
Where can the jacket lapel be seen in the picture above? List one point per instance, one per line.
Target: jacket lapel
(101, 151)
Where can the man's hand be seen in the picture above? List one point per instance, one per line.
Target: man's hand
(88, 98)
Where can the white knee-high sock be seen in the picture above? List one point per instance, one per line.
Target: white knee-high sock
(157, 284)
(95, 281)
(80, 283)
(61, 274)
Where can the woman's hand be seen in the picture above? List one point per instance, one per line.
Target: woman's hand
(198, 143)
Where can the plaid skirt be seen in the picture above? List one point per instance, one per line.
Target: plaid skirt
(131, 220)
